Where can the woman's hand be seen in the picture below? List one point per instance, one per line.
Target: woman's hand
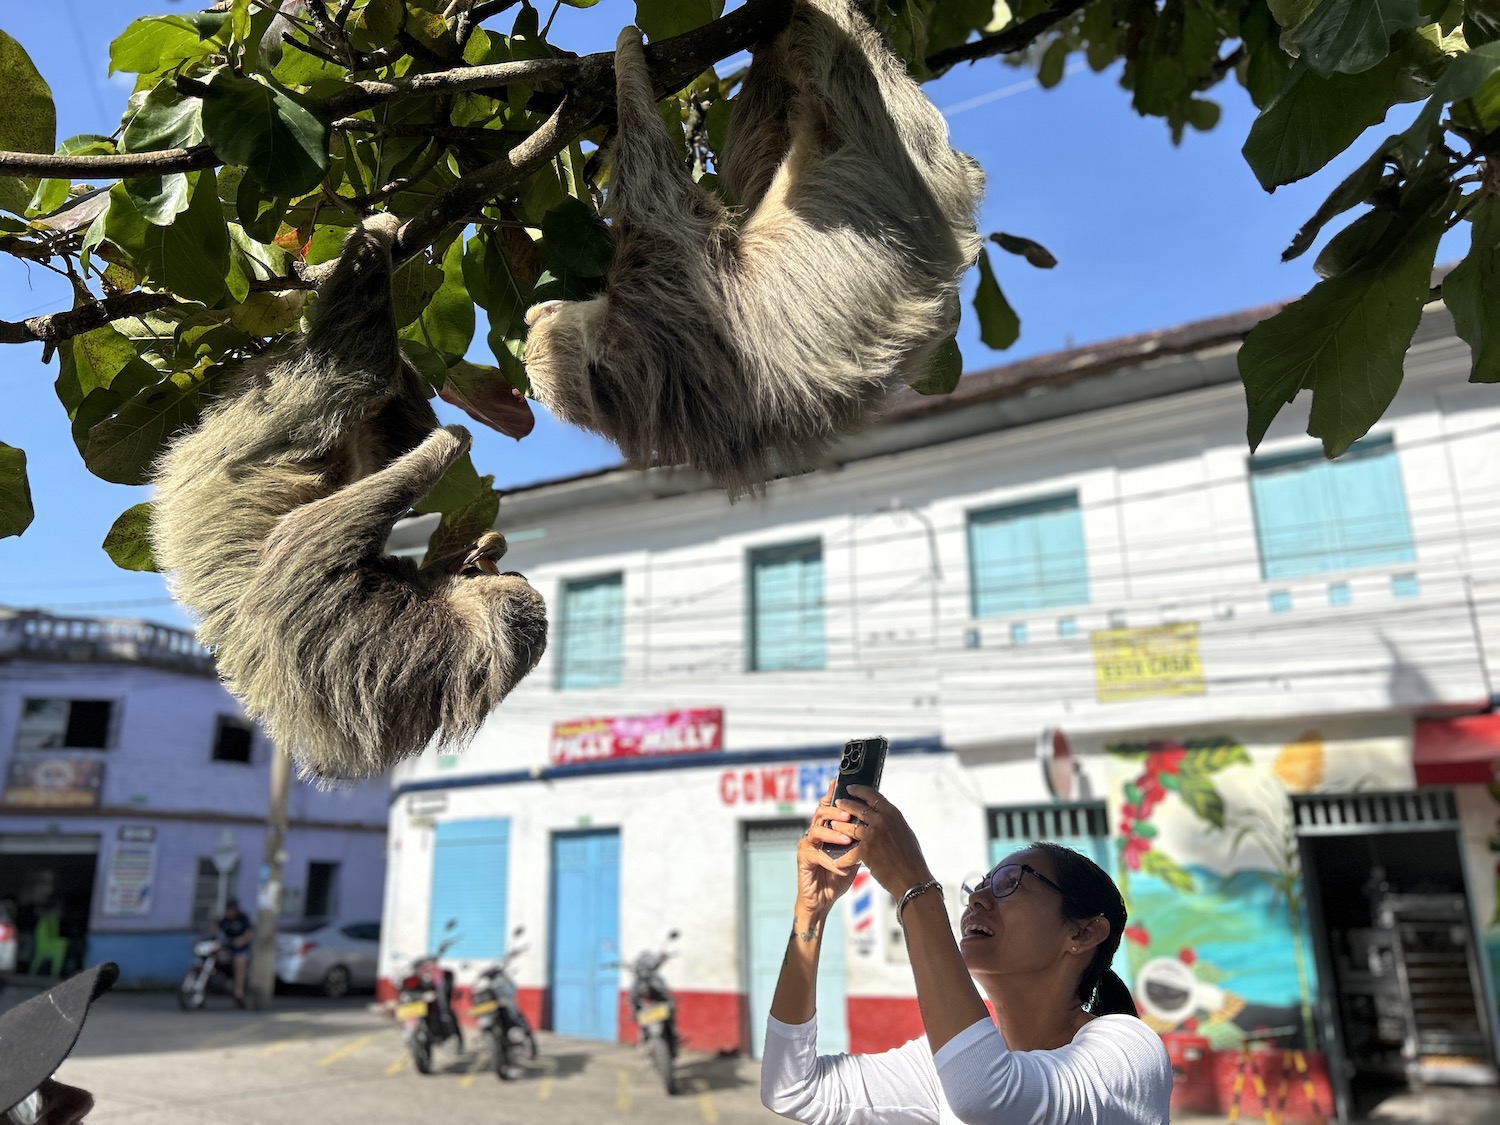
(821, 879)
(885, 843)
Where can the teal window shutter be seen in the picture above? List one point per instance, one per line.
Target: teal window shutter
(1027, 556)
(786, 608)
(1314, 516)
(591, 645)
(470, 874)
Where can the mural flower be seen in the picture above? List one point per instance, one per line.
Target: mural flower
(1299, 765)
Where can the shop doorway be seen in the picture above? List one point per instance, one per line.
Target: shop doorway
(585, 934)
(770, 882)
(1403, 1000)
(47, 884)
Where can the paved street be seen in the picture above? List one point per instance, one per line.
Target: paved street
(331, 1063)
(324, 1062)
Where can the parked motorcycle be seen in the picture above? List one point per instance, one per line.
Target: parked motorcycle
(212, 970)
(655, 1012)
(424, 1005)
(499, 1016)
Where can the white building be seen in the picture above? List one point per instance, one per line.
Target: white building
(1080, 541)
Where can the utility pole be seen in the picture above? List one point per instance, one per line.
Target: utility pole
(268, 900)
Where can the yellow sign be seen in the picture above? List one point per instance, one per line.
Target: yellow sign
(1142, 663)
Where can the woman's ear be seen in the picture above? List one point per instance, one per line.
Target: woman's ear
(1087, 935)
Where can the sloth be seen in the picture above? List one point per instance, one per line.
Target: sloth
(743, 342)
(271, 518)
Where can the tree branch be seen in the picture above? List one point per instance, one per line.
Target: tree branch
(1014, 38)
(123, 164)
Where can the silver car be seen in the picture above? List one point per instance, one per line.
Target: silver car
(333, 956)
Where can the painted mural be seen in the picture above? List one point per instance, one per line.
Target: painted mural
(1218, 943)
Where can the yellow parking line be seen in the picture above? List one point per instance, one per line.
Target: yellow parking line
(345, 1051)
(544, 1087)
(243, 1031)
(622, 1090)
(706, 1108)
(398, 1065)
(282, 1044)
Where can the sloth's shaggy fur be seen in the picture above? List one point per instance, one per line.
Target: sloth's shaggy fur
(272, 517)
(745, 347)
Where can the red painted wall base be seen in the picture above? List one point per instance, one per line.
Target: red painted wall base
(706, 1021)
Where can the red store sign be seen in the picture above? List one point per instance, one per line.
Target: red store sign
(637, 736)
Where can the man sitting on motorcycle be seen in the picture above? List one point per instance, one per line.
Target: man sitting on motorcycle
(235, 931)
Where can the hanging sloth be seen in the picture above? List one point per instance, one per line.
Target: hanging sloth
(745, 347)
(272, 517)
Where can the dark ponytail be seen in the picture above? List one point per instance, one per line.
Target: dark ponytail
(1089, 892)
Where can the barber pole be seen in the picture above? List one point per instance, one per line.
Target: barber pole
(862, 911)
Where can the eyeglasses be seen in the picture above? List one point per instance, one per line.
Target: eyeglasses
(27, 1111)
(1003, 880)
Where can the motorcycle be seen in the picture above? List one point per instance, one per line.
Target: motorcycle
(424, 1005)
(655, 1012)
(212, 970)
(495, 1009)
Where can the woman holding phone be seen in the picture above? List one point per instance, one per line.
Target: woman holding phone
(1037, 934)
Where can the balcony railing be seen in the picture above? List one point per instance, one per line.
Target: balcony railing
(33, 635)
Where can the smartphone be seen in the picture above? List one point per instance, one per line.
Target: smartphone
(861, 764)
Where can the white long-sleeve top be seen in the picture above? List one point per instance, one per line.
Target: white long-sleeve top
(1114, 1072)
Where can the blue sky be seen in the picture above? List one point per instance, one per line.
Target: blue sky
(1147, 235)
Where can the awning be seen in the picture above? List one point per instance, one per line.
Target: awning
(1455, 751)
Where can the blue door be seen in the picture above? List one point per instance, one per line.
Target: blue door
(586, 934)
(770, 884)
(470, 872)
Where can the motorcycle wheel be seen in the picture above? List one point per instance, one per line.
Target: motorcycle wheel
(189, 996)
(421, 1052)
(661, 1058)
(525, 1049)
(505, 1070)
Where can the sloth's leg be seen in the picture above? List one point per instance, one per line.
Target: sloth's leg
(650, 178)
(355, 522)
(759, 133)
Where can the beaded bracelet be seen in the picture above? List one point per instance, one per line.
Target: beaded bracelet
(913, 892)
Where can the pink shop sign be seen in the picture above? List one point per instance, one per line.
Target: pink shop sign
(637, 736)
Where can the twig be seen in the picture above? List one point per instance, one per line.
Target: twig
(447, 132)
(1013, 38)
(124, 164)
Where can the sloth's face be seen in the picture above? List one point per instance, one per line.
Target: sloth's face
(560, 344)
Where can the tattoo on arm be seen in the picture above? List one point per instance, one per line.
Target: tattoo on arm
(809, 934)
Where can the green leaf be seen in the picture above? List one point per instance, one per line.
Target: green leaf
(129, 540)
(575, 241)
(1464, 76)
(1049, 71)
(158, 43)
(1346, 340)
(943, 372)
(375, 24)
(281, 140)
(1034, 252)
(412, 287)
(447, 323)
(269, 314)
(191, 257)
(1472, 291)
(1170, 872)
(90, 361)
(999, 326)
(1481, 22)
(1290, 13)
(1351, 36)
(29, 121)
(662, 19)
(1355, 189)
(159, 199)
(1198, 793)
(52, 194)
(260, 212)
(460, 527)
(122, 449)
(495, 281)
(460, 485)
(1313, 119)
(16, 512)
(1216, 755)
(165, 118)
(1351, 244)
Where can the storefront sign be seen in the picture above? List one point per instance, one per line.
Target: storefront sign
(672, 732)
(36, 782)
(776, 785)
(130, 878)
(1144, 663)
(137, 833)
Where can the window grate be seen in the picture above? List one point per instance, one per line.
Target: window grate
(1050, 822)
(1337, 812)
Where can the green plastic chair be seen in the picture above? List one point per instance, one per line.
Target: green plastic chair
(48, 945)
